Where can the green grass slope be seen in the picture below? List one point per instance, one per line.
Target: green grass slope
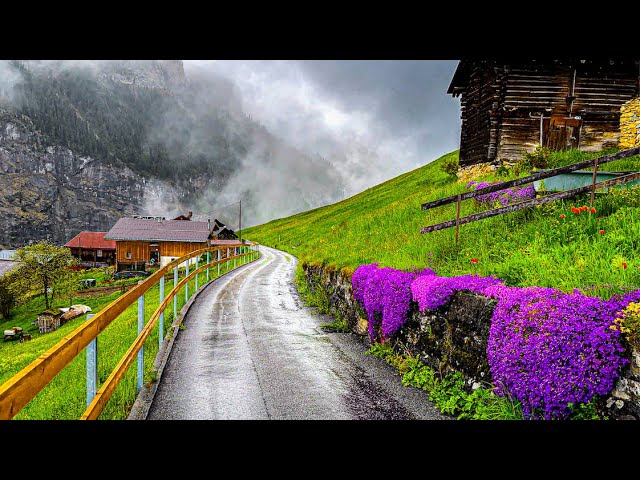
(530, 247)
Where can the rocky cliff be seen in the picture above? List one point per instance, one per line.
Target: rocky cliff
(83, 143)
(50, 192)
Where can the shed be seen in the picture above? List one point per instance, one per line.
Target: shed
(509, 107)
(92, 249)
(49, 320)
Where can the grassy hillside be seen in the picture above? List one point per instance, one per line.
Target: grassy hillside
(531, 247)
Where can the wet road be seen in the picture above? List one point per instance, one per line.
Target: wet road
(252, 350)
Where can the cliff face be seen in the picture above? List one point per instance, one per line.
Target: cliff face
(49, 192)
(83, 143)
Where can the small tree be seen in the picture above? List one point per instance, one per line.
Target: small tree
(42, 266)
(6, 296)
(68, 285)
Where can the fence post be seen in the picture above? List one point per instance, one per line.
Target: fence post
(208, 262)
(186, 285)
(141, 352)
(235, 254)
(175, 297)
(593, 181)
(227, 262)
(458, 218)
(161, 322)
(197, 264)
(92, 367)
(218, 257)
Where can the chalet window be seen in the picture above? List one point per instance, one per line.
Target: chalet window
(98, 253)
(128, 255)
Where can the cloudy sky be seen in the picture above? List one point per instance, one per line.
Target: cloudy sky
(375, 118)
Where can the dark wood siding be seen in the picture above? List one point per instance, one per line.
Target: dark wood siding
(479, 105)
(501, 104)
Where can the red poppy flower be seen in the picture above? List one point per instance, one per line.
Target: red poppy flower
(601, 232)
(593, 210)
(575, 210)
(474, 260)
(584, 208)
(563, 216)
(624, 265)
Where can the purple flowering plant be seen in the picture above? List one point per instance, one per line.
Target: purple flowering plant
(504, 197)
(546, 348)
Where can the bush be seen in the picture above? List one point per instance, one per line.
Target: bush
(538, 158)
(450, 166)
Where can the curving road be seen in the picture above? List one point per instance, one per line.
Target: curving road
(252, 350)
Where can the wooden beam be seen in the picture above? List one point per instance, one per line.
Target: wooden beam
(20, 389)
(537, 176)
(530, 203)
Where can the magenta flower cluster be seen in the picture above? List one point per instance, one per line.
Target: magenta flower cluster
(549, 349)
(546, 348)
(503, 197)
(385, 295)
(432, 291)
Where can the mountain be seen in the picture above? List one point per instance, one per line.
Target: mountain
(83, 143)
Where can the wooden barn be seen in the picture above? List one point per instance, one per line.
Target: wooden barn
(141, 243)
(508, 108)
(92, 249)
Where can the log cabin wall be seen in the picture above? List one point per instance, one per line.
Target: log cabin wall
(501, 106)
(479, 121)
(599, 96)
(529, 90)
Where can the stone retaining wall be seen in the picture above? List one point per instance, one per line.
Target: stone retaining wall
(454, 337)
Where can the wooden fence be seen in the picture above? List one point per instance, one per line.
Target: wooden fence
(593, 163)
(19, 390)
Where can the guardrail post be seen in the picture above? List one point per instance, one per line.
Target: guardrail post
(197, 264)
(208, 262)
(186, 285)
(175, 297)
(218, 258)
(141, 352)
(92, 367)
(161, 319)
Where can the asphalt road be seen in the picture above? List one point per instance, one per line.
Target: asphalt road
(252, 350)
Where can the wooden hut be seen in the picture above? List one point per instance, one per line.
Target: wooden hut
(49, 320)
(145, 242)
(508, 108)
(92, 249)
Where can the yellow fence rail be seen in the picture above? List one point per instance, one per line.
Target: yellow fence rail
(19, 390)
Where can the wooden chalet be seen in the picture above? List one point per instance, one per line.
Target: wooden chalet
(141, 243)
(92, 249)
(508, 108)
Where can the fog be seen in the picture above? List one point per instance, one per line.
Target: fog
(372, 119)
(345, 126)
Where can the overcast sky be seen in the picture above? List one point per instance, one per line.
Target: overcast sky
(377, 119)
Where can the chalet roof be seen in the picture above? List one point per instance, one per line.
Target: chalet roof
(91, 241)
(153, 230)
